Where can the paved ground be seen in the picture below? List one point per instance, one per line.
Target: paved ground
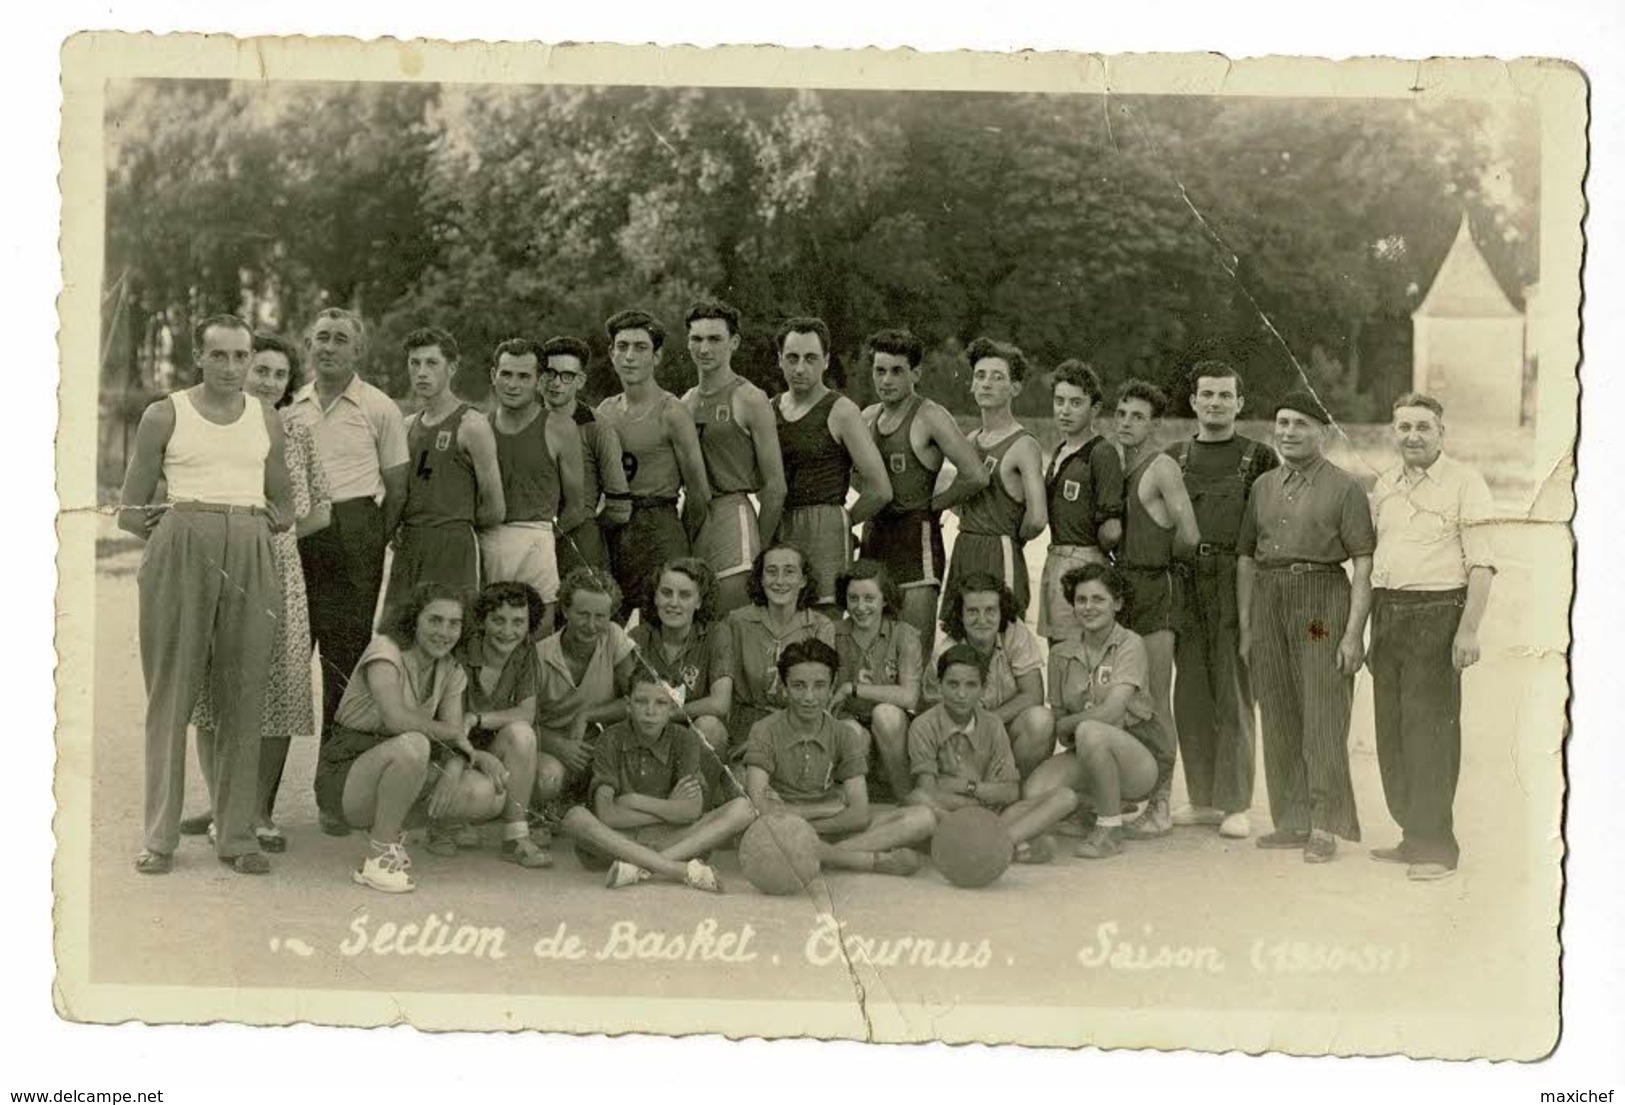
(1352, 938)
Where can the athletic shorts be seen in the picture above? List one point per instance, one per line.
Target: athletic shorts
(637, 549)
(999, 557)
(340, 750)
(824, 533)
(433, 554)
(909, 544)
(523, 552)
(1056, 619)
(655, 837)
(581, 547)
(729, 539)
(1153, 600)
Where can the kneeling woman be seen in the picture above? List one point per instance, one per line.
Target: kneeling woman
(1100, 686)
(399, 750)
(782, 591)
(878, 687)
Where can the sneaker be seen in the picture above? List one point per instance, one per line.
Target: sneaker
(1040, 849)
(1102, 843)
(332, 824)
(1429, 872)
(1321, 847)
(1236, 826)
(701, 877)
(526, 853)
(1154, 821)
(249, 863)
(1397, 854)
(622, 873)
(442, 839)
(1284, 838)
(388, 868)
(1078, 826)
(897, 861)
(271, 838)
(1197, 815)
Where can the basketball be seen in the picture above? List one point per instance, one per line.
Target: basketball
(779, 854)
(971, 847)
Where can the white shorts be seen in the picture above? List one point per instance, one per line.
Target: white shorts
(1056, 619)
(522, 551)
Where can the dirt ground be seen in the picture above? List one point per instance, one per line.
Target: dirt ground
(1246, 930)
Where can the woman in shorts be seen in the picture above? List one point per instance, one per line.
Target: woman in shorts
(782, 593)
(400, 750)
(679, 639)
(878, 686)
(1100, 688)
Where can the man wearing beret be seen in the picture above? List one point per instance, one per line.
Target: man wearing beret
(1303, 627)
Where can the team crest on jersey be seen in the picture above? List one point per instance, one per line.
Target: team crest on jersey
(722, 414)
(1070, 490)
(991, 464)
(898, 462)
(691, 676)
(442, 440)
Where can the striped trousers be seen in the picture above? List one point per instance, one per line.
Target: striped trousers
(1297, 622)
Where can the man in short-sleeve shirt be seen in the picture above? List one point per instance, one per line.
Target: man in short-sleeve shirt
(1303, 628)
(978, 749)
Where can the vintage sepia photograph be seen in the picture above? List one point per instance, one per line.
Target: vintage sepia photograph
(1043, 549)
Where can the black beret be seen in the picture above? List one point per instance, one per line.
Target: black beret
(1304, 403)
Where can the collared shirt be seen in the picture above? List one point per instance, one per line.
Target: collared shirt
(628, 762)
(359, 710)
(756, 649)
(357, 437)
(1078, 682)
(805, 767)
(705, 657)
(518, 679)
(559, 698)
(1015, 653)
(1318, 515)
(892, 657)
(977, 751)
(1430, 530)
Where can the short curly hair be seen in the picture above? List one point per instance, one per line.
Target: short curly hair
(809, 650)
(400, 621)
(586, 578)
(705, 580)
(509, 593)
(891, 596)
(1114, 581)
(809, 585)
(976, 583)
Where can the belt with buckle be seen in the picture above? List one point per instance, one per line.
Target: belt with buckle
(1301, 567)
(1209, 548)
(217, 508)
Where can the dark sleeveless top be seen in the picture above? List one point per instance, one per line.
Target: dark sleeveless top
(911, 481)
(1071, 493)
(1145, 543)
(440, 490)
(730, 454)
(530, 475)
(817, 468)
(992, 511)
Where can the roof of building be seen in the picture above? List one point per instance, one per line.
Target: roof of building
(1464, 286)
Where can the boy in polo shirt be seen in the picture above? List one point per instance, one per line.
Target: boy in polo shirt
(647, 817)
(960, 756)
(800, 760)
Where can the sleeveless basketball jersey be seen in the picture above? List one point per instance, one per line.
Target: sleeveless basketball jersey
(205, 462)
(1071, 493)
(993, 511)
(587, 427)
(1145, 543)
(730, 454)
(440, 487)
(647, 452)
(817, 468)
(911, 481)
(530, 475)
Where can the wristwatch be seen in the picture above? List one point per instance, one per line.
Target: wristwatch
(970, 788)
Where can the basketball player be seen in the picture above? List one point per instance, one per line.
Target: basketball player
(914, 434)
(1158, 525)
(997, 521)
(455, 483)
(540, 466)
(740, 444)
(579, 532)
(660, 453)
(1085, 485)
(822, 436)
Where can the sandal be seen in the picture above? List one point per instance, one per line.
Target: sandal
(442, 840)
(526, 853)
(271, 839)
(249, 863)
(154, 863)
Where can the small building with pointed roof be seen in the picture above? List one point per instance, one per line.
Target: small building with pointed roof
(1468, 340)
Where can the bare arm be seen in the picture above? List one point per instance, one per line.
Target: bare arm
(969, 475)
(278, 486)
(685, 442)
(1464, 649)
(1111, 710)
(855, 814)
(573, 509)
(475, 436)
(874, 485)
(905, 693)
(943, 793)
(1028, 462)
(684, 808)
(522, 713)
(400, 716)
(1171, 485)
(145, 470)
(764, 436)
(717, 704)
(1351, 650)
(394, 497)
(1029, 692)
(612, 812)
(611, 474)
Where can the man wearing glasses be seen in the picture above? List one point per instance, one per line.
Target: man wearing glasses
(579, 528)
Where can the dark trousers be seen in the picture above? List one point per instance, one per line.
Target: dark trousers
(1418, 705)
(1297, 622)
(1213, 701)
(344, 568)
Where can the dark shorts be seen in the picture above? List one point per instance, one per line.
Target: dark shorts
(1000, 557)
(910, 545)
(637, 549)
(433, 554)
(339, 752)
(581, 547)
(650, 836)
(1153, 605)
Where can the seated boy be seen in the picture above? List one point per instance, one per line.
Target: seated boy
(647, 817)
(800, 760)
(960, 756)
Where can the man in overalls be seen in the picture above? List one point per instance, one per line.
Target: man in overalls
(1213, 701)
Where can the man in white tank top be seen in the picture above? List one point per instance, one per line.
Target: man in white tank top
(209, 588)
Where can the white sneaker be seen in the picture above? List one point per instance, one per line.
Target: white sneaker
(702, 877)
(388, 869)
(1236, 826)
(1197, 815)
(623, 874)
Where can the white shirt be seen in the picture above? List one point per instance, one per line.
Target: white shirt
(1431, 526)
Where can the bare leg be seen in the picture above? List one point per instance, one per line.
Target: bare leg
(920, 611)
(713, 830)
(1055, 773)
(898, 829)
(1029, 817)
(1032, 738)
(714, 759)
(888, 729)
(385, 783)
(1159, 650)
(550, 776)
(582, 825)
(515, 746)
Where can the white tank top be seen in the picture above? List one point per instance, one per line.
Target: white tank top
(206, 463)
